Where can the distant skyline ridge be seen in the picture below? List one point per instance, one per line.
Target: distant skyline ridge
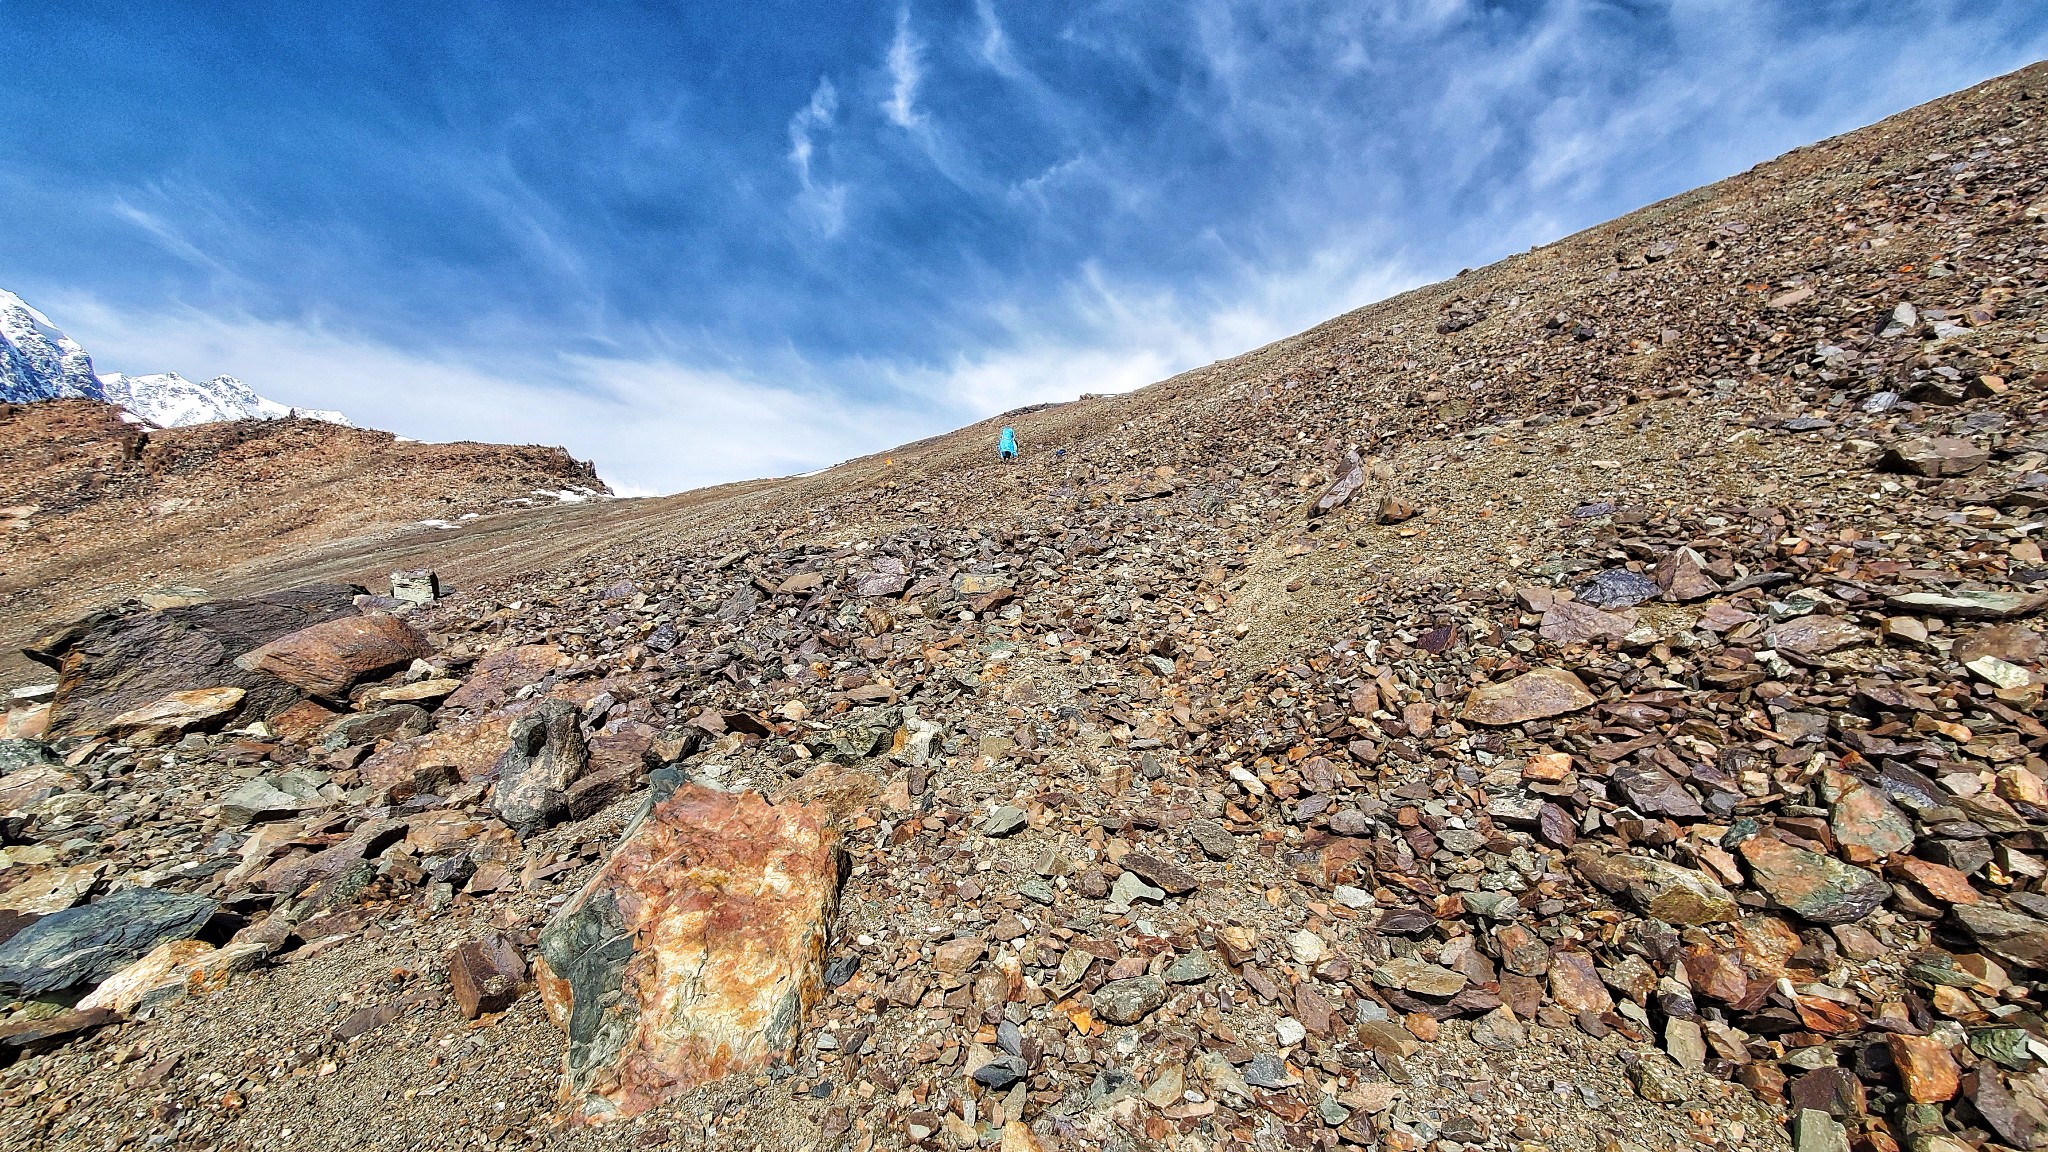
(39, 362)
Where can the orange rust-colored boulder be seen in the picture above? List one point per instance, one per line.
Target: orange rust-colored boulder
(695, 951)
(329, 658)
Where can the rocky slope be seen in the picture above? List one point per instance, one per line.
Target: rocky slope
(1589, 703)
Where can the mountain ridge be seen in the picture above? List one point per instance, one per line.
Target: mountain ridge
(39, 362)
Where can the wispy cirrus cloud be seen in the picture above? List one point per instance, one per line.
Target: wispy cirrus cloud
(906, 70)
(822, 200)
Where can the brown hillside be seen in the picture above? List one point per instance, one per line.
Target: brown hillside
(98, 509)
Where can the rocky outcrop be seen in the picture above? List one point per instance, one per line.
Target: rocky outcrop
(696, 949)
(535, 774)
(116, 661)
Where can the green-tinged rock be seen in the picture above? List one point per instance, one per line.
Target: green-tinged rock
(1656, 1079)
(85, 945)
(2007, 935)
(1867, 826)
(1816, 1131)
(2007, 1046)
(20, 755)
(1659, 888)
(1129, 1001)
(1819, 888)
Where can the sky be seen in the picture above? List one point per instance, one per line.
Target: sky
(699, 243)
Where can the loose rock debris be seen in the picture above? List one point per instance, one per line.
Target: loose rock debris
(1643, 751)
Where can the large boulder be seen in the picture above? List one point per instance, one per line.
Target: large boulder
(112, 662)
(87, 944)
(696, 949)
(334, 656)
(547, 756)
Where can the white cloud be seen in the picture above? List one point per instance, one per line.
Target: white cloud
(167, 237)
(995, 44)
(1113, 337)
(824, 202)
(906, 69)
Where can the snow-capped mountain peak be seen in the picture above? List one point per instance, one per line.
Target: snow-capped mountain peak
(168, 400)
(39, 362)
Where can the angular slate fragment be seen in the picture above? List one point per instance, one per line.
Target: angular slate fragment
(1176, 881)
(2011, 937)
(1213, 839)
(1616, 588)
(1820, 888)
(1267, 1070)
(1000, 1072)
(1651, 790)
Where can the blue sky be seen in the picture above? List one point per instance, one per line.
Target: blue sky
(702, 242)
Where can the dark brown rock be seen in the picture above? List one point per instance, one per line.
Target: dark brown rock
(1177, 881)
(485, 974)
(2013, 643)
(1683, 576)
(121, 661)
(1349, 479)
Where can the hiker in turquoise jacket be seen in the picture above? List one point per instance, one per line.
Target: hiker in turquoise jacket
(1006, 445)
